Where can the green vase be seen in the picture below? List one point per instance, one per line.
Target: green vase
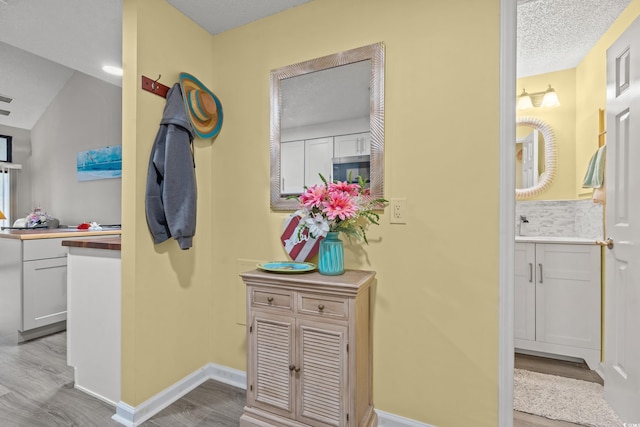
(331, 255)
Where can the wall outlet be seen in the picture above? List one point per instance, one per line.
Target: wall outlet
(398, 211)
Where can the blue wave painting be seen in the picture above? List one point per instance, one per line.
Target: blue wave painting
(99, 163)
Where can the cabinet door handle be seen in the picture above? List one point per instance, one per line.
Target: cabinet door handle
(293, 368)
(530, 272)
(540, 266)
(320, 307)
(269, 300)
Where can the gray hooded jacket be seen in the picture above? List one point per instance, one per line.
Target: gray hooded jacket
(171, 182)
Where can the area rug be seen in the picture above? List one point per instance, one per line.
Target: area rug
(564, 399)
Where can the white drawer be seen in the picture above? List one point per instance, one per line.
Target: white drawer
(43, 248)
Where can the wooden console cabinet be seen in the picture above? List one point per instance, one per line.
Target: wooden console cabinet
(309, 358)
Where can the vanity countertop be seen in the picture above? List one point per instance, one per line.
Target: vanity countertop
(555, 239)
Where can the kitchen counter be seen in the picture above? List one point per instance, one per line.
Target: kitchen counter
(52, 233)
(94, 314)
(33, 279)
(109, 243)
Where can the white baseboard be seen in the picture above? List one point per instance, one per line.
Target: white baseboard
(96, 395)
(386, 419)
(134, 416)
(130, 416)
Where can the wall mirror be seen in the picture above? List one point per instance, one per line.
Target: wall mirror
(327, 116)
(536, 157)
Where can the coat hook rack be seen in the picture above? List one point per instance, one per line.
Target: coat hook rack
(154, 86)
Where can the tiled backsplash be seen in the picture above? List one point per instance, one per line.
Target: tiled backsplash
(561, 218)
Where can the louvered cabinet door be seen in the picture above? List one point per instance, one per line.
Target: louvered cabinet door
(271, 338)
(323, 379)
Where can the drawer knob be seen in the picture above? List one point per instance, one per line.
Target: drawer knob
(321, 307)
(269, 300)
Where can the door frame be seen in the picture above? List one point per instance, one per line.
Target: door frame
(507, 208)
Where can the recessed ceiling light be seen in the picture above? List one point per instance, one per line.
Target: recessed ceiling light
(116, 71)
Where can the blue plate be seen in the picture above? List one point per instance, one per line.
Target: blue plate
(287, 267)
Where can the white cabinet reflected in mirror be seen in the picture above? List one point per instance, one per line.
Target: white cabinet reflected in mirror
(327, 117)
(536, 158)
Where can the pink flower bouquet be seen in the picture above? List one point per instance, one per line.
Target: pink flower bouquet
(337, 206)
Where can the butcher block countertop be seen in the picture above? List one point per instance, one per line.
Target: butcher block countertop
(111, 243)
(52, 233)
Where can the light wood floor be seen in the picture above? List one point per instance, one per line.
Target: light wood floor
(36, 390)
(578, 371)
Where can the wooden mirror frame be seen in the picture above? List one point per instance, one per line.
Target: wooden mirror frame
(374, 53)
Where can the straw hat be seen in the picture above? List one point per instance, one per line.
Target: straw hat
(204, 108)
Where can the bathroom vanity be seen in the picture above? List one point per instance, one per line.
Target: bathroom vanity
(558, 297)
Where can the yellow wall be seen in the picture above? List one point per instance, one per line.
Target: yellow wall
(435, 311)
(591, 80)
(166, 293)
(562, 120)
(436, 300)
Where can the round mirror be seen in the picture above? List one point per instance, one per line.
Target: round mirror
(536, 157)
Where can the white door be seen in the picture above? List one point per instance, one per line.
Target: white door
(530, 160)
(622, 292)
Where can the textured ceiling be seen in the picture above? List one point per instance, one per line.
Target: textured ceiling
(43, 41)
(555, 35)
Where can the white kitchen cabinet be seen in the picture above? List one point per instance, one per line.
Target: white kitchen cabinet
(33, 283)
(44, 292)
(358, 144)
(309, 350)
(558, 300)
(292, 167)
(317, 160)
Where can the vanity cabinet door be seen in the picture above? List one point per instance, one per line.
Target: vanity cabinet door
(525, 291)
(44, 292)
(568, 295)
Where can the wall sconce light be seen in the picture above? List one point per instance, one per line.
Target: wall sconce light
(548, 98)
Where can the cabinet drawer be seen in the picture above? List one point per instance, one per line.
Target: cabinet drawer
(330, 307)
(43, 248)
(44, 292)
(262, 298)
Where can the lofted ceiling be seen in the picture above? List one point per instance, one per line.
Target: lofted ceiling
(42, 41)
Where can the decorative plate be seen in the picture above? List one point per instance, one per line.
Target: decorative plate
(287, 267)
